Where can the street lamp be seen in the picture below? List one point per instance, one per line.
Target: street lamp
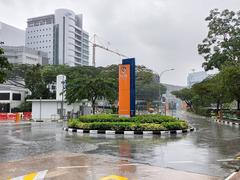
(163, 73)
(160, 96)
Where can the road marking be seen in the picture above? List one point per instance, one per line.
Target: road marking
(173, 162)
(225, 160)
(72, 167)
(32, 176)
(41, 175)
(230, 177)
(114, 177)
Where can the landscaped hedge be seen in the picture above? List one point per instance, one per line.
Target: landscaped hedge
(138, 119)
(113, 122)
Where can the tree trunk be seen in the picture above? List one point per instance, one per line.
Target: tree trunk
(238, 105)
(93, 108)
(218, 105)
(93, 105)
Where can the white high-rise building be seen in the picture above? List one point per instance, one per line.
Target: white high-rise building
(11, 36)
(60, 35)
(196, 77)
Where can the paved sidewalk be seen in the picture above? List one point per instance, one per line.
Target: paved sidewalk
(73, 166)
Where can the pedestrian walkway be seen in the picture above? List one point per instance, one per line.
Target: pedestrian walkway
(73, 166)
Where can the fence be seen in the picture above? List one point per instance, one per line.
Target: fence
(16, 116)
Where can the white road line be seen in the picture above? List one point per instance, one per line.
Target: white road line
(225, 160)
(72, 167)
(229, 177)
(176, 162)
(40, 175)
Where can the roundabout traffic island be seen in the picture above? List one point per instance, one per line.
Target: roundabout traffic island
(140, 124)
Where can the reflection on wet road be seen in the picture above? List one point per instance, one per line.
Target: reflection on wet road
(203, 151)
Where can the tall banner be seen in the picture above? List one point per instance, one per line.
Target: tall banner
(127, 92)
(124, 90)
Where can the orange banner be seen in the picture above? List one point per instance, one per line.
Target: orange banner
(124, 90)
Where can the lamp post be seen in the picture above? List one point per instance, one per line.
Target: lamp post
(62, 100)
(160, 96)
(40, 113)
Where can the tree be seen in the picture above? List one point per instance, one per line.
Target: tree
(50, 72)
(111, 94)
(231, 81)
(18, 70)
(222, 43)
(34, 82)
(87, 82)
(186, 95)
(212, 91)
(4, 66)
(147, 87)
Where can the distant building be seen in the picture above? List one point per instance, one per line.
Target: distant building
(61, 35)
(11, 36)
(196, 77)
(12, 94)
(24, 55)
(169, 99)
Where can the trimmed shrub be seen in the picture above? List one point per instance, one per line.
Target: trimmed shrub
(137, 119)
(114, 122)
(117, 126)
(175, 125)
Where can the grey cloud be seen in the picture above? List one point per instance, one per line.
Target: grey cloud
(159, 33)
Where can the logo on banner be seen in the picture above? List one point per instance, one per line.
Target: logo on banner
(123, 72)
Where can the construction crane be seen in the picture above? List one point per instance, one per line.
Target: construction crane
(102, 47)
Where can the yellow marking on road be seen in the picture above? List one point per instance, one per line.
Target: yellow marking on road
(29, 176)
(114, 177)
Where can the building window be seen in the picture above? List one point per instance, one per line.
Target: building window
(4, 96)
(17, 96)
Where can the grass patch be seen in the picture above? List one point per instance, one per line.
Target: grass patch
(114, 122)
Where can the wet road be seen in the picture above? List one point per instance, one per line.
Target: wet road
(205, 151)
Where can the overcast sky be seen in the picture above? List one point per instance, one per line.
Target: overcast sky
(160, 34)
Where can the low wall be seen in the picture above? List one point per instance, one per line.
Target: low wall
(16, 116)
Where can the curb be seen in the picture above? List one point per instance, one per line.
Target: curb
(81, 131)
(230, 123)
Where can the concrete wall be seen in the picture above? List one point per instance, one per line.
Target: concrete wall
(49, 110)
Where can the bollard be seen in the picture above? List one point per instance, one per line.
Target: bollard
(17, 117)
